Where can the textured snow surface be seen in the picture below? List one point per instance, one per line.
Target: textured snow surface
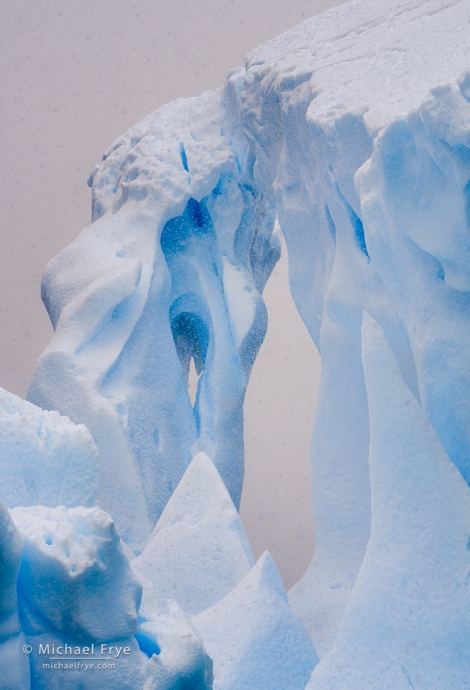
(198, 551)
(388, 55)
(74, 574)
(44, 458)
(354, 129)
(253, 638)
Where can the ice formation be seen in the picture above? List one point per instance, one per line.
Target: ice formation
(354, 129)
(200, 526)
(363, 146)
(406, 623)
(13, 663)
(171, 269)
(69, 597)
(74, 576)
(177, 656)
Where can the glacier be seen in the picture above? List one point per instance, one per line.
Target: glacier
(350, 134)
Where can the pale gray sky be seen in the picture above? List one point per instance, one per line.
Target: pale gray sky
(75, 75)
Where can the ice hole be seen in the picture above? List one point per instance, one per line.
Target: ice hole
(191, 338)
(193, 380)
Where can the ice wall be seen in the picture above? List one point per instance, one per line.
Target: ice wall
(359, 123)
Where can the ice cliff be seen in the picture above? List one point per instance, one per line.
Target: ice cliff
(354, 130)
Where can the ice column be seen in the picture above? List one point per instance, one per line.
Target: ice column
(171, 269)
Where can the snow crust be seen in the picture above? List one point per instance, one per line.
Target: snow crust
(374, 60)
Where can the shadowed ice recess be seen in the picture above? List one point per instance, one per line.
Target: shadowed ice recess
(119, 523)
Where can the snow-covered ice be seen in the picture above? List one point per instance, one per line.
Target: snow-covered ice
(66, 585)
(14, 664)
(11, 549)
(176, 651)
(74, 575)
(406, 624)
(360, 133)
(354, 130)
